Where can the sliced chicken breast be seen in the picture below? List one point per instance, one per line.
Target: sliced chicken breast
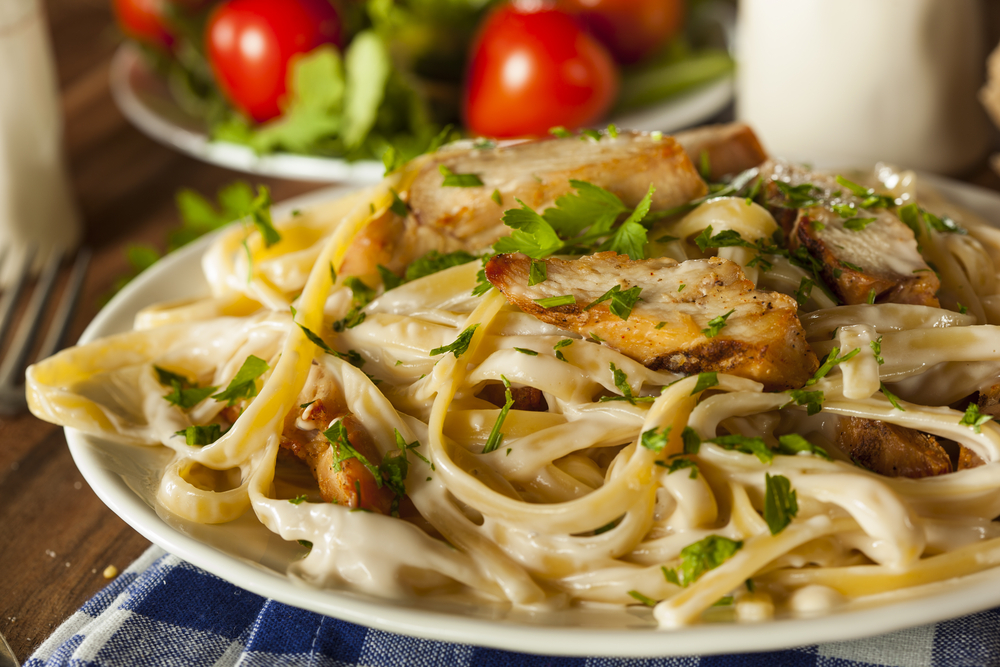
(892, 450)
(761, 338)
(730, 149)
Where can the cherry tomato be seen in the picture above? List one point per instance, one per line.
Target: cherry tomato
(250, 42)
(144, 21)
(631, 29)
(531, 70)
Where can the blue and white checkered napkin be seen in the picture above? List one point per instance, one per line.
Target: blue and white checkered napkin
(137, 621)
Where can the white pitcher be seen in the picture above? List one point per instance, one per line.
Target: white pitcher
(851, 82)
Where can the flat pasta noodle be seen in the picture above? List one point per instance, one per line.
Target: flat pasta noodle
(602, 492)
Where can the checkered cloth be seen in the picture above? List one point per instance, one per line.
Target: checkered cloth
(137, 621)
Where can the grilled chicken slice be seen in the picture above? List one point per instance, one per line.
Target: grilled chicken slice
(353, 485)
(892, 450)
(538, 172)
(989, 401)
(762, 339)
(879, 254)
(730, 148)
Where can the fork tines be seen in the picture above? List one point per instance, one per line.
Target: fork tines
(31, 316)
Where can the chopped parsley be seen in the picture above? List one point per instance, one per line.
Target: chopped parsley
(460, 344)
(962, 310)
(691, 440)
(799, 196)
(832, 359)
(537, 273)
(681, 464)
(298, 500)
(716, 324)
(654, 441)
(876, 346)
(727, 238)
(648, 601)
(973, 418)
(558, 348)
(560, 131)
(496, 437)
(530, 353)
(705, 381)
(244, 383)
(362, 295)
(868, 195)
(556, 301)
(858, 224)
(660, 325)
(622, 301)
(260, 215)
(201, 434)
(813, 400)
(583, 221)
(700, 557)
(612, 130)
(394, 468)
(398, 206)
(852, 267)
(916, 217)
(804, 291)
(343, 450)
(871, 296)
(780, 503)
(497, 197)
(792, 444)
(434, 261)
(590, 133)
(892, 397)
(185, 394)
(389, 279)
(745, 445)
(621, 382)
(453, 180)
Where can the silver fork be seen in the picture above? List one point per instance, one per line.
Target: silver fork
(12, 399)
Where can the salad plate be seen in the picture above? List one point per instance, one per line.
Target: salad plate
(248, 555)
(145, 100)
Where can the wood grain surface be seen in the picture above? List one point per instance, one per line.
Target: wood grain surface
(56, 537)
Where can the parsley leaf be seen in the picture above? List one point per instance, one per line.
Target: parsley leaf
(185, 394)
(803, 195)
(496, 437)
(829, 362)
(560, 131)
(691, 440)
(453, 180)
(654, 441)
(700, 557)
(621, 382)
(681, 464)
(716, 324)
(393, 470)
(558, 348)
(974, 419)
(459, 346)
(648, 601)
(201, 435)
(389, 279)
(804, 291)
(813, 400)
(745, 445)
(622, 302)
(298, 500)
(260, 215)
(532, 235)
(727, 238)
(793, 443)
(433, 261)
(530, 353)
(343, 450)
(591, 208)
(537, 273)
(876, 346)
(705, 381)
(780, 503)
(555, 301)
(858, 224)
(243, 384)
(630, 237)
(892, 397)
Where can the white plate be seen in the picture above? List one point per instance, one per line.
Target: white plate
(146, 102)
(245, 553)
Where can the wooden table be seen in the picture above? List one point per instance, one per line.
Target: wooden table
(57, 537)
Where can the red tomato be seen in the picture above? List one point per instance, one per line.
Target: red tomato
(143, 21)
(632, 29)
(532, 70)
(250, 42)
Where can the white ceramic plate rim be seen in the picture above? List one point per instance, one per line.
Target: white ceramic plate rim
(156, 115)
(960, 597)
